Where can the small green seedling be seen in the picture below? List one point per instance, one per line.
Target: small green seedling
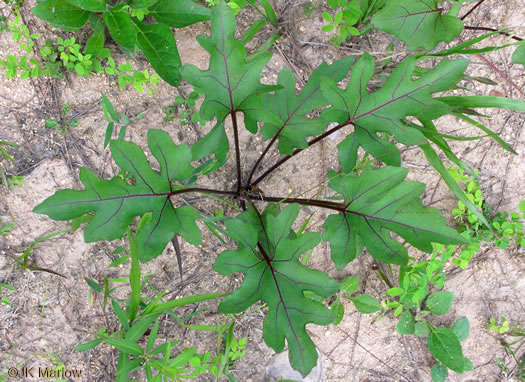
(5, 299)
(65, 121)
(501, 328)
(117, 123)
(187, 115)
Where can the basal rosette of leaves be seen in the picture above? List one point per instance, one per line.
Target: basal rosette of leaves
(375, 202)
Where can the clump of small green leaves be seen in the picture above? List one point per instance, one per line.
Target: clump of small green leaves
(116, 123)
(66, 55)
(188, 114)
(65, 122)
(373, 209)
(511, 348)
(413, 302)
(504, 226)
(343, 20)
(348, 16)
(498, 328)
(127, 26)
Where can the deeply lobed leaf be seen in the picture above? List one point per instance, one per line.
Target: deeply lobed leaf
(420, 23)
(376, 203)
(291, 109)
(116, 202)
(274, 274)
(232, 83)
(385, 110)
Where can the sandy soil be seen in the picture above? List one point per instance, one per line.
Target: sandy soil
(50, 314)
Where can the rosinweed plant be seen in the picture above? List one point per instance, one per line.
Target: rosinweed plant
(367, 207)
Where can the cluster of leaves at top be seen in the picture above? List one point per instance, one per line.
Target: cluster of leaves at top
(373, 203)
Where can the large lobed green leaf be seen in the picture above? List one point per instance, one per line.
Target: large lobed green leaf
(116, 202)
(385, 110)
(291, 109)
(375, 203)
(420, 23)
(276, 276)
(231, 83)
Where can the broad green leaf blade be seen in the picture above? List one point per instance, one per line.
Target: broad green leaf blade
(121, 29)
(215, 142)
(439, 373)
(439, 303)
(339, 311)
(89, 5)
(445, 347)
(349, 285)
(115, 203)
(157, 43)
(291, 109)
(519, 55)
(231, 83)
(138, 4)
(180, 13)
(366, 304)
(461, 328)
(385, 110)
(375, 203)
(345, 242)
(276, 276)
(421, 330)
(420, 23)
(109, 110)
(95, 44)
(406, 324)
(61, 14)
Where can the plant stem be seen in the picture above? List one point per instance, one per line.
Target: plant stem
(237, 150)
(259, 160)
(297, 151)
(204, 191)
(306, 202)
(472, 9)
(493, 30)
